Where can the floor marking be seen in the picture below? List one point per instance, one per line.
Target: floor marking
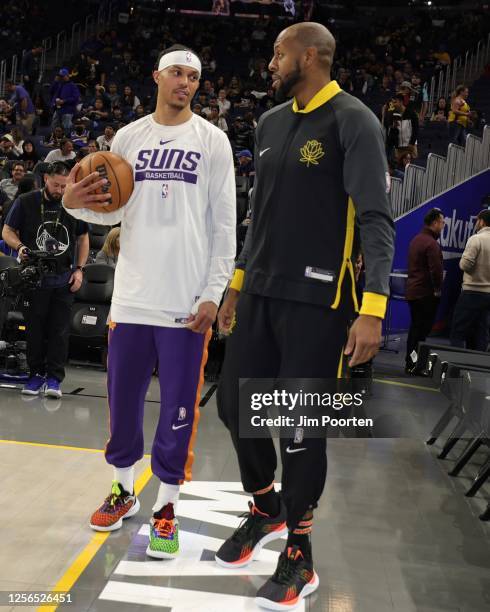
(58, 446)
(76, 569)
(178, 599)
(399, 384)
(76, 391)
(189, 562)
(208, 395)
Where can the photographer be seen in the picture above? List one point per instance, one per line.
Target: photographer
(37, 221)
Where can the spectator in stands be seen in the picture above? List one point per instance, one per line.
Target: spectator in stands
(139, 112)
(92, 146)
(118, 116)
(105, 141)
(17, 139)
(344, 80)
(113, 95)
(64, 154)
(203, 100)
(98, 114)
(223, 102)
(89, 72)
(241, 135)
(441, 111)
(419, 97)
(404, 128)
(129, 99)
(26, 184)
(470, 319)
(363, 83)
(424, 284)
(208, 63)
(259, 76)
(100, 93)
(459, 116)
(7, 116)
(6, 154)
(235, 87)
(79, 135)
(21, 101)
(442, 56)
(55, 138)
(29, 156)
(65, 97)
(30, 68)
(110, 251)
(208, 89)
(245, 163)
(10, 185)
(197, 109)
(216, 119)
(249, 120)
(404, 161)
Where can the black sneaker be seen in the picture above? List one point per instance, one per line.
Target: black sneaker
(293, 580)
(256, 530)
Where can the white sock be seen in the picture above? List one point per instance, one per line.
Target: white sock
(167, 494)
(125, 477)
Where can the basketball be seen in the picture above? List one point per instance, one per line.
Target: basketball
(118, 173)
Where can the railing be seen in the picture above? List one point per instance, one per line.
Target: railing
(461, 70)
(63, 48)
(421, 184)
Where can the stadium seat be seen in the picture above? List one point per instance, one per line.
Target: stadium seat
(91, 308)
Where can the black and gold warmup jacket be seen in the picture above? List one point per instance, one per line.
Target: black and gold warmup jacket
(319, 170)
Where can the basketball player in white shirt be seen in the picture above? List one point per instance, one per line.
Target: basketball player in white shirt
(177, 253)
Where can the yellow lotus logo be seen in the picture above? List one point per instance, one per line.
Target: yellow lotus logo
(311, 153)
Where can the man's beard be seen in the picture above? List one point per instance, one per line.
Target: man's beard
(283, 92)
(56, 197)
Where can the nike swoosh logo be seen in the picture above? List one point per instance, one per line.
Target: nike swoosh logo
(164, 142)
(264, 151)
(175, 427)
(294, 450)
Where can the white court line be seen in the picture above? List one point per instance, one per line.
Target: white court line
(179, 600)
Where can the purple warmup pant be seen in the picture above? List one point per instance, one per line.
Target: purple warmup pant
(134, 352)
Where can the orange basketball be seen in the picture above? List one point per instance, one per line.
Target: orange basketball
(118, 173)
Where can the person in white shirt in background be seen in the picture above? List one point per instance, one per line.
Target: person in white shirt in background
(64, 153)
(223, 102)
(177, 249)
(105, 141)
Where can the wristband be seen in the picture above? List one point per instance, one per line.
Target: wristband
(19, 246)
(79, 268)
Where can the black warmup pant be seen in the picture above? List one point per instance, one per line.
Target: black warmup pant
(276, 338)
(423, 315)
(470, 321)
(47, 314)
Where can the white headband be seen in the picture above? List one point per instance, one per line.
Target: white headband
(180, 58)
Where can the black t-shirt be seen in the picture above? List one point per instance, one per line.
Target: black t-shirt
(40, 220)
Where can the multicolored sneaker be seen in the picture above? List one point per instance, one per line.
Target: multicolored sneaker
(293, 580)
(53, 388)
(117, 506)
(34, 385)
(164, 534)
(256, 530)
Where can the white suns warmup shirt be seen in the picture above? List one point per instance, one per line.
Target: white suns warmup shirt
(178, 240)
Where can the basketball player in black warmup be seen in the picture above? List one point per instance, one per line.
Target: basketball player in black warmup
(320, 167)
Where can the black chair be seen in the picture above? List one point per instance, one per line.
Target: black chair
(398, 282)
(90, 311)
